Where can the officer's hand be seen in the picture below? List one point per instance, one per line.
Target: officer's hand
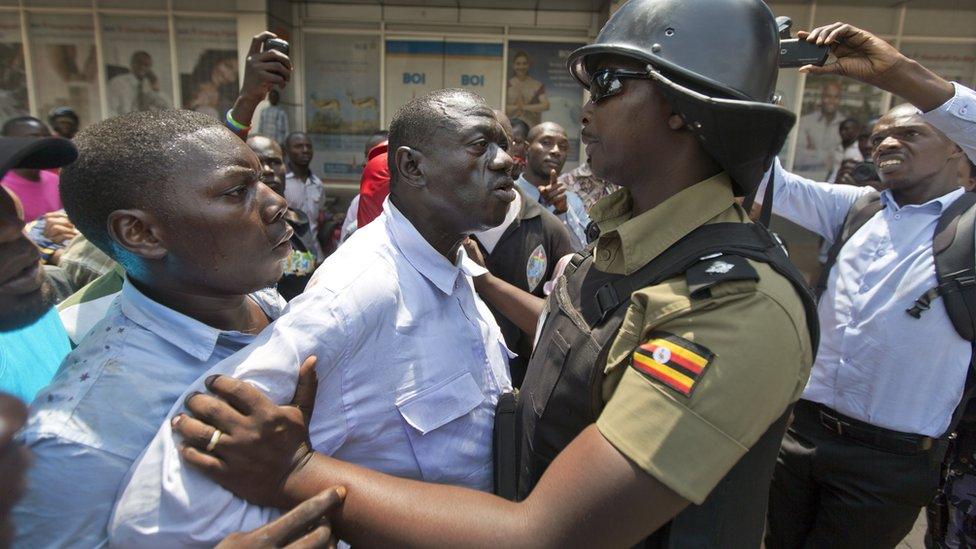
(260, 444)
(14, 461)
(58, 228)
(263, 71)
(555, 193)
(859, 53)
(474, 251)
(304, 527)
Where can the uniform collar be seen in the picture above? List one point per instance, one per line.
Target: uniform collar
(628, 243)
(423, 257)
(937, 204)
(192, 336)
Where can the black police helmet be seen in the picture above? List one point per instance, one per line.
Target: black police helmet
(716, 61)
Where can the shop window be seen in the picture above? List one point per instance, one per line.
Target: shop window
(207, 62)
(64, 63)
(954, 62)
(13, 79)
(137, 64)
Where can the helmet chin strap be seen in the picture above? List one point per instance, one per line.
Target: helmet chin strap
(766, 212)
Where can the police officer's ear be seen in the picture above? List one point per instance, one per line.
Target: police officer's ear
(676, 122)
(408, 163)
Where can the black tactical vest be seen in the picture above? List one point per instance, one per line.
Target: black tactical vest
(561, 394)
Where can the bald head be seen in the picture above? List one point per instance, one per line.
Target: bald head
(546, 128)
(417, 121)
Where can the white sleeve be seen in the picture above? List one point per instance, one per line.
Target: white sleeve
(817, 207)
(957, 119)
(164, 503)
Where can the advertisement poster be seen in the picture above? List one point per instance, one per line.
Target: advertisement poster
(342, 83)
(954, 62)
(415, 67)
(208, 64)
(540, 89)
(13, 79)
(137, 64)
(827, 103)
(65, 66)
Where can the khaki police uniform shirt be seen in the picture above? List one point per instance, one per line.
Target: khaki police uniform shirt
(748, 338)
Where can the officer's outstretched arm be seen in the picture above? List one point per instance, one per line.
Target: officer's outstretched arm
(865, 57)
(591, 494)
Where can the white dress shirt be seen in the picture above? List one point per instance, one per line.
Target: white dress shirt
(103, 407)
(410, 366)
(306, 196)
(875, 362)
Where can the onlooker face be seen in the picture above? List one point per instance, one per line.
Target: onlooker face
(272, 162)
(848, 132)
(519, 144)
(864, 145)
(24, 293)
(299, 150)
(548, 147)
(273, 97)
(141, 65)
(830, 99)
(467, 174)
(908, 151)
(227, 233)
(65, 126)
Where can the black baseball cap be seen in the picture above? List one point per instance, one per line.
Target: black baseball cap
(35, 153)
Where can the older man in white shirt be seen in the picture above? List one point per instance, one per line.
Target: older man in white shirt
(410, 361)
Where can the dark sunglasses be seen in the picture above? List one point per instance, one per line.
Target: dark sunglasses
(607, 82)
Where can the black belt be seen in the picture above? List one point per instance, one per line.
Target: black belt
(879, 438)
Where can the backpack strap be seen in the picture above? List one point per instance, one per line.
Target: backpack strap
(955, 267)
(861, 211)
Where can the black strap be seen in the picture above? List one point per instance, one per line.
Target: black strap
(954, 250)
(861, 211)
(748, 240)
(766, 212)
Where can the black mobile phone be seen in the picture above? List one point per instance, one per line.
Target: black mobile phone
(794, 52)
(276, 44)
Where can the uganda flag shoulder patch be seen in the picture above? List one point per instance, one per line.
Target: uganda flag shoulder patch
(672, 360)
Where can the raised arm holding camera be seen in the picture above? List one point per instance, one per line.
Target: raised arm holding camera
(864, 452)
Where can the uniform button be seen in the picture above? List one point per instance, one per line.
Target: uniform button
(864, 288)
(604, 254)
(880, 252)
(897, 216)
(852, 323)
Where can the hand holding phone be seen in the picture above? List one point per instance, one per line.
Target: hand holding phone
(794, 52)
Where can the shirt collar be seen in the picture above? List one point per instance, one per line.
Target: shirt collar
(423, 257)
(192, 336)
(937, 204)
(628, 243)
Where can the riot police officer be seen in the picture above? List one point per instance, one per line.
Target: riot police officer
(668, 357)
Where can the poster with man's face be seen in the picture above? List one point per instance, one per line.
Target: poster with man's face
(833, 109)
(137, 64)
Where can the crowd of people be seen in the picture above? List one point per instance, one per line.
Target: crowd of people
(486, 350)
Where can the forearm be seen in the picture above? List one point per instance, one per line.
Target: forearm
(519, 306)
(385, 511)
(920, 86)
(243, 111)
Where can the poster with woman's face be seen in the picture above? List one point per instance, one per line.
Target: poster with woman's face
(540, 89)
(208, 64)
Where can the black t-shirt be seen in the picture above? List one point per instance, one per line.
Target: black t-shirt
(525, 257)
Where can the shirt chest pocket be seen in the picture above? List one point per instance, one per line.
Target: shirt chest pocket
(449, 427)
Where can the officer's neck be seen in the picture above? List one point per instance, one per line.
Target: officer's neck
(654, 187)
